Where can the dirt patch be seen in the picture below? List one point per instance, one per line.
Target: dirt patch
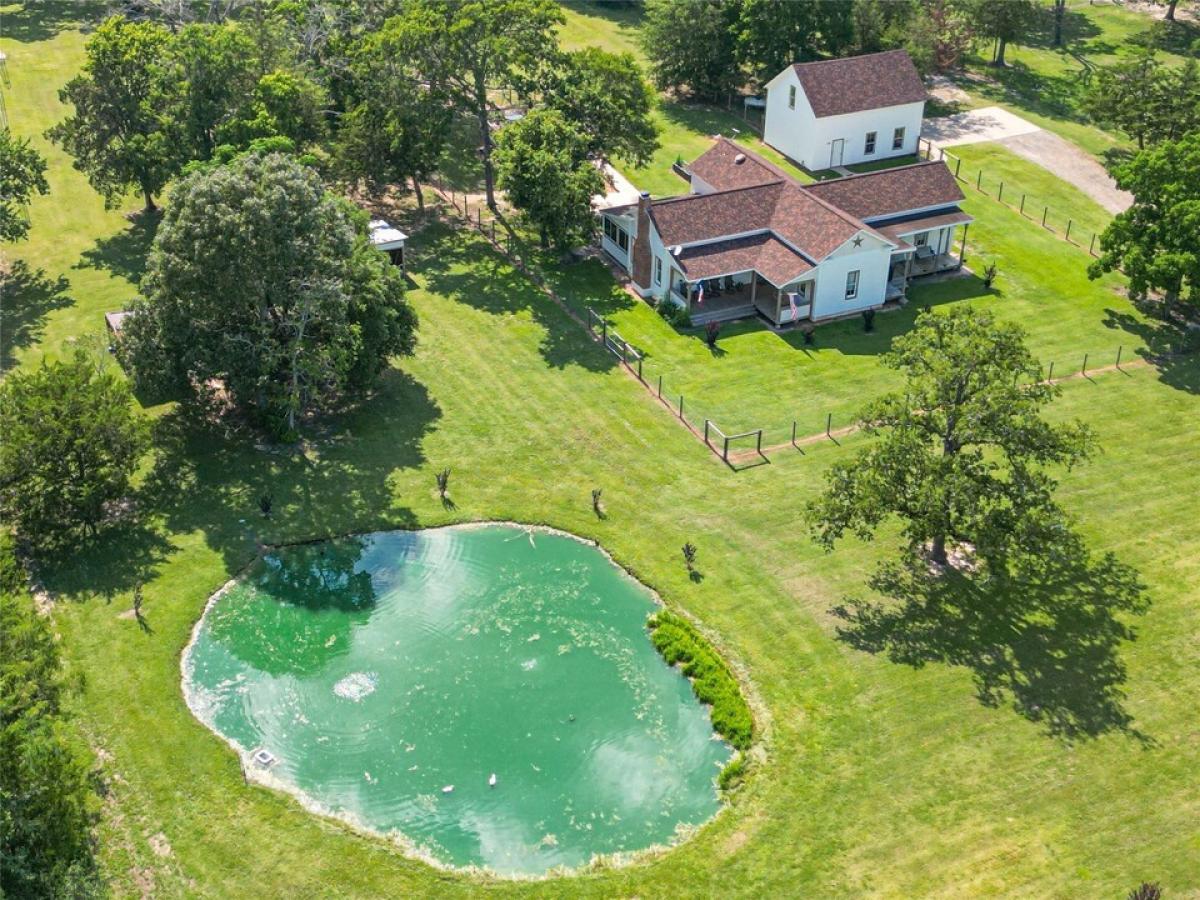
(1072, 165)
(942, 88)
(160, 845)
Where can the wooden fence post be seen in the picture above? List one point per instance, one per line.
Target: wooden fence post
(1083, 369)
(706, 424)
(1022, 210)
(1050, 374)
(681, 407)
(725, 451)
(1120, 347)
(1092, 246)
(1068, 237)
(828, 424)
(793, 432)
(1000, 193)
(957, 166)
(979, 180)
(1045, 212)
(659, 387)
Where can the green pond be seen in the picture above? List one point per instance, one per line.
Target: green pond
(380, 670)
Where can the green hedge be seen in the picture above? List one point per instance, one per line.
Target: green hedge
(679, 643)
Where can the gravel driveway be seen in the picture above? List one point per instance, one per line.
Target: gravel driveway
(1048, 150)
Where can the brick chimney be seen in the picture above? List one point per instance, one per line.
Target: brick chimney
(642, 259)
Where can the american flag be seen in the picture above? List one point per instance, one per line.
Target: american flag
(700, 292)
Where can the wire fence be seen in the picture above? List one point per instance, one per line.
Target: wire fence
(709, 422)
(1058, 223)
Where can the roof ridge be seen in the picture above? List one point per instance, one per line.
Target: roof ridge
(890, 169)
(838, 59)
(748, 187)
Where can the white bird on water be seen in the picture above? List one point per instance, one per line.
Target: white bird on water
(447, 789)
(492, 780)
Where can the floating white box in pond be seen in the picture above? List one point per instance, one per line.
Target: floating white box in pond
(263, 757)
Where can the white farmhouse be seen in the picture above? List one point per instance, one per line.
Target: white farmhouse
(751, 240)
(844, 111)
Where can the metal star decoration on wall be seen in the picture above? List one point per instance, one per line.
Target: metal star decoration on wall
(858, 241)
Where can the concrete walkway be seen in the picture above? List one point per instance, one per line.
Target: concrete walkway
(1046, 149)
(621, 191)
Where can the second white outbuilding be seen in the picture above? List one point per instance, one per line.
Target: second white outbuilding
(839, 112)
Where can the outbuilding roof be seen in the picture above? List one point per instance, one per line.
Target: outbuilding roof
(385, 236)
(835, 87)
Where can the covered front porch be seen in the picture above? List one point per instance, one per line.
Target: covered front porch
(741, 295)
(921, 253)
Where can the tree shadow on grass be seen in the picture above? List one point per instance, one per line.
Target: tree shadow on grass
(108, 564)
(464, 267)
(1044, 637)
(1056, 97)
(1168, 346)
(41, 20)
(124, 253)
(28, 298)
(207, 480)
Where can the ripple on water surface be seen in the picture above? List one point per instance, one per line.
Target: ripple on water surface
(380, 670)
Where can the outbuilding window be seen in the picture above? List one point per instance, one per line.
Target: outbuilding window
(791, 96)
(870, 146)
(898, 139)
(852, 284)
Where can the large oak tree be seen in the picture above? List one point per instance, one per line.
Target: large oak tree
(262, 291)
(959, 456)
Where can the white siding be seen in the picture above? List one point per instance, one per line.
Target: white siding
(801, 136)
(872, 260)
(853, 128)
(790, 131)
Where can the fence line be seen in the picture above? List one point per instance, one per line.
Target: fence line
(925, 147)
(704, 428)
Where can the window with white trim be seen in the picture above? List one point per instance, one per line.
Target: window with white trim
(898, 139)
(921, 239)
(657, 270)
(870, 145)
(791, 96)
(616, 234)
(852, 284)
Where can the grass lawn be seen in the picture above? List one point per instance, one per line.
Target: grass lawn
(1033, 745)
(1046, 84)
(999, 165)
(760, 379)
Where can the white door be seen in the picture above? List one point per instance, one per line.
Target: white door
(836, 151)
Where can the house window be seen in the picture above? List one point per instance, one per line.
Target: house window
(852, 284)
(792, 97)
(898, 139)
(657, 270)
(921, 240)
(616, 234)
(870, 147)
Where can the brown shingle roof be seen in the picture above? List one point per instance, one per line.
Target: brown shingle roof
(783, 207)
(718, 166)
(925, 223)
(764, 253)
(838, 86)
(875, 195)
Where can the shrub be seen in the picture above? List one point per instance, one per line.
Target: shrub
(674, 315)
(733, 773)
(712, 682)
(12, 575)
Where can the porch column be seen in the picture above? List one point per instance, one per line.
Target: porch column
(962, 249)
(778, 305)
(908, 266)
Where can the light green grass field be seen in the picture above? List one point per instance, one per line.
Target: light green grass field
(1034, 745)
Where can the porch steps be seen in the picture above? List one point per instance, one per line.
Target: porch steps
(724, 315)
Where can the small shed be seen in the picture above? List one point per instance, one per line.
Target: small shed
(389, 239)
(115, 321)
